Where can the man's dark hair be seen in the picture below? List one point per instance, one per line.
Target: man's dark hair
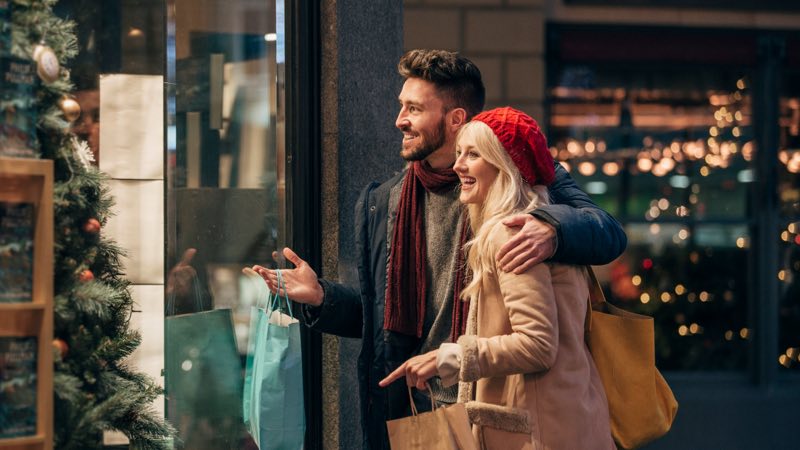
(457, 78)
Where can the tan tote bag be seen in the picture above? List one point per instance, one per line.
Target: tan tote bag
(443, 428)
(640, 403)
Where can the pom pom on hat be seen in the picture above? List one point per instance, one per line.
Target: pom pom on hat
(524, 142)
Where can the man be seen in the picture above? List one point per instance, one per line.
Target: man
(409, 232)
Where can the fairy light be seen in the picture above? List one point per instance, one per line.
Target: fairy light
(636, 280)
(680, 289)
(586, 168)
(665, 297)
(744, 333)
(729, 335)
(644, 298)
(611, 168)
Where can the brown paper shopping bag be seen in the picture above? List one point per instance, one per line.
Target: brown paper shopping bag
(443, 428)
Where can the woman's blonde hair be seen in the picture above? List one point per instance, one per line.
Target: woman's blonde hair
(507, 195)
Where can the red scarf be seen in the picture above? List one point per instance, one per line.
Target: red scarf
(406, 284)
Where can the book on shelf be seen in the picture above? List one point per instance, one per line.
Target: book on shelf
(17, 108)
(17, 386)
(5, 27)
(17, 226)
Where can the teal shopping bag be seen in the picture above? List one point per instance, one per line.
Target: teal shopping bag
(203, 374)
(273, 391)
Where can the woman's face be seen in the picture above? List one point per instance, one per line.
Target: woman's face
(475, 173)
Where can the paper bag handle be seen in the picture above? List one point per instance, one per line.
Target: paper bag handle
(414, 411)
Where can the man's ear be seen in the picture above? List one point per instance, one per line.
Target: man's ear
(457, 118)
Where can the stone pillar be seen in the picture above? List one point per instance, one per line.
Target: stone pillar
(361, 44)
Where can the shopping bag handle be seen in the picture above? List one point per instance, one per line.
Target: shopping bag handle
(414, 411)
(275, 303)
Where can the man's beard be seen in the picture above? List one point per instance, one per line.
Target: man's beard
(428, 145)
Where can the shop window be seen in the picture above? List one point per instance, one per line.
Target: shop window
(670, 150)
(226, 201)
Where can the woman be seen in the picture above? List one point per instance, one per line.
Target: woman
(526, 372)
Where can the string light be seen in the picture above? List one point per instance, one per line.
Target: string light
(744, 333)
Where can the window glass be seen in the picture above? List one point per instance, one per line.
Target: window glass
(225, 203)
(669, 151)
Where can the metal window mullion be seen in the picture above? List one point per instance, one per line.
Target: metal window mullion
(764, 301)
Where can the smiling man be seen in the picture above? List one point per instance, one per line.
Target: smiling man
(409, 235)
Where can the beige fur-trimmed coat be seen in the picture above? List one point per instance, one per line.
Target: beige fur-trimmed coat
(526, 374)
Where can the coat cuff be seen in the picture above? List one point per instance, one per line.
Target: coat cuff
(470, 369)
(448, 363)
(311, 313)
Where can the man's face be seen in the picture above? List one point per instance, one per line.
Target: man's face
(421, 119)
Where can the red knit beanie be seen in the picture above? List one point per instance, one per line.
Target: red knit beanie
(524, 142)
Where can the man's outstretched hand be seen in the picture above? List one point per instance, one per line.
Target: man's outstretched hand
(299, 284)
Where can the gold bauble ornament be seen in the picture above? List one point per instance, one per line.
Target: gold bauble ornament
(47, 66)
(70, 108)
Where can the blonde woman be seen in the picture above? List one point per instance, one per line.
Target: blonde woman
(525, 371)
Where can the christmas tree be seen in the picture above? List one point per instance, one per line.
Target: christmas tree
(94, 388)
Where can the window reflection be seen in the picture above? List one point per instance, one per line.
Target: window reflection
(670, 152)
(225, 137)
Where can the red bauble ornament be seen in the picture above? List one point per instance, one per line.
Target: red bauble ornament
(61, 346)
(86, 275)
(92, 226)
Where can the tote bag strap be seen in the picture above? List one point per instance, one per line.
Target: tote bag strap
(596, 297)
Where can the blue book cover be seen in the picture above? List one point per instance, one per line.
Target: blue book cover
(17, 226)
(17, 108)
(17, 386)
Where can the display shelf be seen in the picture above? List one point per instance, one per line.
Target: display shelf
(26, 317)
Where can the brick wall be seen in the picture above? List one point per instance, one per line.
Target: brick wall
(505, 38)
